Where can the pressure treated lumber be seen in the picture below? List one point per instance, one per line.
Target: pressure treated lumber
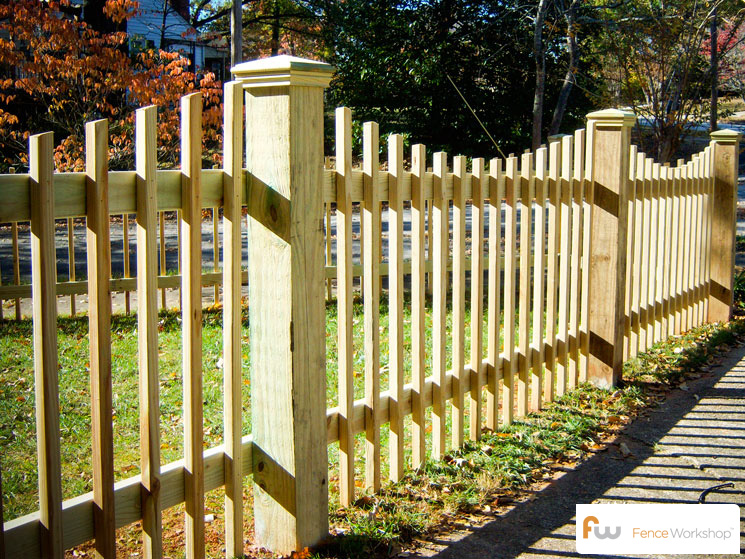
(147, 330)
(345, 349)
(99, 334)
(611, 141)
(724, 198)
(190, 225)
(284, 150)
(232, 281)
(43, 278)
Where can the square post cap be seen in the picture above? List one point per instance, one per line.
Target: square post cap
(725, 136)
(612, 118)
(282, 71)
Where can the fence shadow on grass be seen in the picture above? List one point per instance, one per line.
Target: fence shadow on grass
(544, 527)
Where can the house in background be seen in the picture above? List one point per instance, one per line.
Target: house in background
(164, 24)
(160, 24)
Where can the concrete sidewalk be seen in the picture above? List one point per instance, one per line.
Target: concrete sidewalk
(694, 440)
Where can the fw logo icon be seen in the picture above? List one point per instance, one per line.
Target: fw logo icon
(600, 532)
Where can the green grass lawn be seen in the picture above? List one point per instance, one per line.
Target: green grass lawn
(17, 419)
(466, 480)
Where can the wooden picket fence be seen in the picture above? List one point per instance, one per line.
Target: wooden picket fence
(576, 257)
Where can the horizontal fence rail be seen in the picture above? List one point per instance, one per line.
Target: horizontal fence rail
(537, 273)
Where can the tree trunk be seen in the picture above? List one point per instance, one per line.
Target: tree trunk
(164, 21)
(236, 33)
(275, 30)
(571, 75)
(714, 72)
(539, 54)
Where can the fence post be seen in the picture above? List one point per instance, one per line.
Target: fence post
(609, 157)
(726, 158)
(284, 156)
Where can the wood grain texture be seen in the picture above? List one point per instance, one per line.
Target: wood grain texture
(232, 316)
(22, 534)
(646, 185)
(494, 293)
(552, 268)
(512, 194)
(677, 255)
(630, 241)
(344, 302)
(126, 257)
(654, 234)
(418, 305)
(440, 244)
(666, 250)
(99, 334)
(686, 220)
(329, 248)
(16, 266)
(708, 209)
(71, 259)
(479, 185)
(636, 161)
(584, 307)
(147, 329)
(527, 186)
(697, 246)
(608, 257)
(538, 347)
(396, 304)
(191, 313)
(575, 296)
(162, 248)
(460, 177)
(564, 239)
(43, 278)
(286, 318)
(371, 296)
(661, 257)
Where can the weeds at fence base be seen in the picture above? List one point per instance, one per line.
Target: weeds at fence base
(473, 484)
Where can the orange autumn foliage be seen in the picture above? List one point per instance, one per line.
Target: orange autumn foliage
(57, 73)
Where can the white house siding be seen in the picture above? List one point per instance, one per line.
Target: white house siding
(147, 25)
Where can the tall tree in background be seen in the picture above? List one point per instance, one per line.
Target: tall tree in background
(395, 60)
(662, 73)
(236, 33)
(730, 53)
(714, 71)
(268, 27)
(539, 54)
(570, 14)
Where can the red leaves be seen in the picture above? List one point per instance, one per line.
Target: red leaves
(120, 10)
(73, 74)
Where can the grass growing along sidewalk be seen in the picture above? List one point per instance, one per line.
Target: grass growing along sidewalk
(476, 481)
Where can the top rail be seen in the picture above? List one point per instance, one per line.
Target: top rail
(69, 190)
